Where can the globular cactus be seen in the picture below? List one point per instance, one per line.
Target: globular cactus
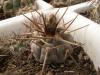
(24, 3)
(97, 14)
(16, 4)
(31, 1)
(55, 55)
(11, 6)
(7, 6)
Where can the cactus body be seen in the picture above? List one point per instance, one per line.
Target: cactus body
(7, 6)
(16, 4)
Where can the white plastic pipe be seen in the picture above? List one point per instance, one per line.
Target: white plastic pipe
(85, 6)
(11, 26)
(82, 7)
(89, 36)
(15, 24)
(40, 4)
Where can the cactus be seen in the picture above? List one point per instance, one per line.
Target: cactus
(26, 2)
(97, 14)
(31, 1)
(7, 6)
(16, 4)
(10, 1)
(13, 5)
(23, 3)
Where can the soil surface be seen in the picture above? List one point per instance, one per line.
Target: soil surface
(18, 60)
